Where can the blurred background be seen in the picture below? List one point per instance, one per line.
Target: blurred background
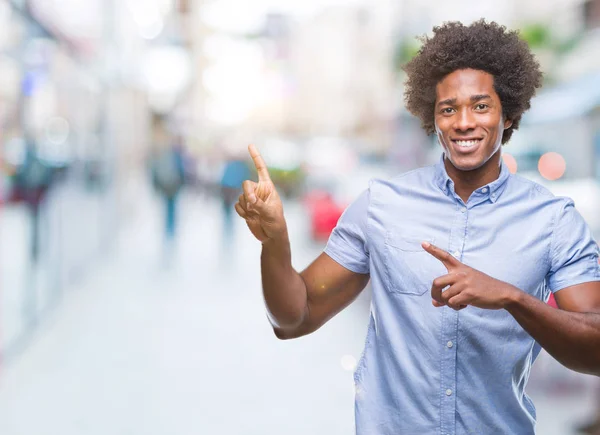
(130, 295)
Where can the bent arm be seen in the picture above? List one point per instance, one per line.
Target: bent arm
(571, 334)
(300, 303)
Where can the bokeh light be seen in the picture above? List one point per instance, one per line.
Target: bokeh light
(348, 362)
(510, 162)
(552, 166)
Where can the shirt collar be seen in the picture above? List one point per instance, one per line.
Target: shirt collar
(492, 190)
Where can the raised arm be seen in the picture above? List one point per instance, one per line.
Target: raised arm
(297, 303)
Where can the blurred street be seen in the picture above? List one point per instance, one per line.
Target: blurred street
(140, 347)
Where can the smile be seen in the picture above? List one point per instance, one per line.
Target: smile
(467, 143)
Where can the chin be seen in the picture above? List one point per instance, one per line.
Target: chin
(465, 164)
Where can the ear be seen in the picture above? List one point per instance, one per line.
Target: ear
(507, 123)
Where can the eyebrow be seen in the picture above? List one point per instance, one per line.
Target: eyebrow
(474, 98)
(479, 97)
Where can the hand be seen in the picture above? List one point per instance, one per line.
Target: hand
(260, 204)
(466, 286)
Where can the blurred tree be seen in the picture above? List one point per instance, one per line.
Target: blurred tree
(406, 49)
(549, 47)
(539, 36)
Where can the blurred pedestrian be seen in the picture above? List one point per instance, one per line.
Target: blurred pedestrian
(462, 256)
(235, 171)
(32, 180)
(168, 178)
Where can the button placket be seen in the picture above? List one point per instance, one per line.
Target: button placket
(450, 330)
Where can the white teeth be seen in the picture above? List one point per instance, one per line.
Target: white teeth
(466, 143)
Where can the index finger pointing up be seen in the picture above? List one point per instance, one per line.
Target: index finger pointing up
(259, 163)
(444, 256)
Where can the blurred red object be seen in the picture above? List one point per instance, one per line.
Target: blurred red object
(324, 213)
(552, 301)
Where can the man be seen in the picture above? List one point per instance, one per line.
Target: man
(168, 178)
(461, 256)
(235, 171)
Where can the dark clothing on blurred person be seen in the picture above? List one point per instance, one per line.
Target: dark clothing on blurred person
(235, 172)
(168, 177)
(168, 174)
(32, 181)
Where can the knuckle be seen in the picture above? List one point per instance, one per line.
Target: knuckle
(247, 186)
(453, 303)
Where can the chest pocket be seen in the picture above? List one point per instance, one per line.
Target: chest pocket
(409, 268)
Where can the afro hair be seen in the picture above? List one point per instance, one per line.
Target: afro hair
(482, 46)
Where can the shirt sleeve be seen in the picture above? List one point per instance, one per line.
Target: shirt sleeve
(347, 244)
(573, 251)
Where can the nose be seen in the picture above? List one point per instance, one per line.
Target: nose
(464, 120)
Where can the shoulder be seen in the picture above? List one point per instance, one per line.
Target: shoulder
(540, 202)
(537, 193)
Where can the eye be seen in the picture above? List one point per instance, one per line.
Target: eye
(481, 106)
(447, 110)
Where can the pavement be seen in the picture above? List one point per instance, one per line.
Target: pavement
(154, 341)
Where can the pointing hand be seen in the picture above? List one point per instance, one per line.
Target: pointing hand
(466, 286)
(260, 204)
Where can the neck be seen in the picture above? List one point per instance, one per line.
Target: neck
(466, 182)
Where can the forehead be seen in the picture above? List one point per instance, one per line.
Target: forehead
(463, 83)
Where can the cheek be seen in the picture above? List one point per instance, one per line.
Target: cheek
(494, 122)
(440, 128)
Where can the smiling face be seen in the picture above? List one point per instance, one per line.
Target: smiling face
(468, 119)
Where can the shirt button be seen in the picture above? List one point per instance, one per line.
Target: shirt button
(493, 195)
(448, 392)
(484, 190)
(449, 344)
(463, 210)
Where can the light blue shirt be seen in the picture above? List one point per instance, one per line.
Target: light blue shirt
(428, 370)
